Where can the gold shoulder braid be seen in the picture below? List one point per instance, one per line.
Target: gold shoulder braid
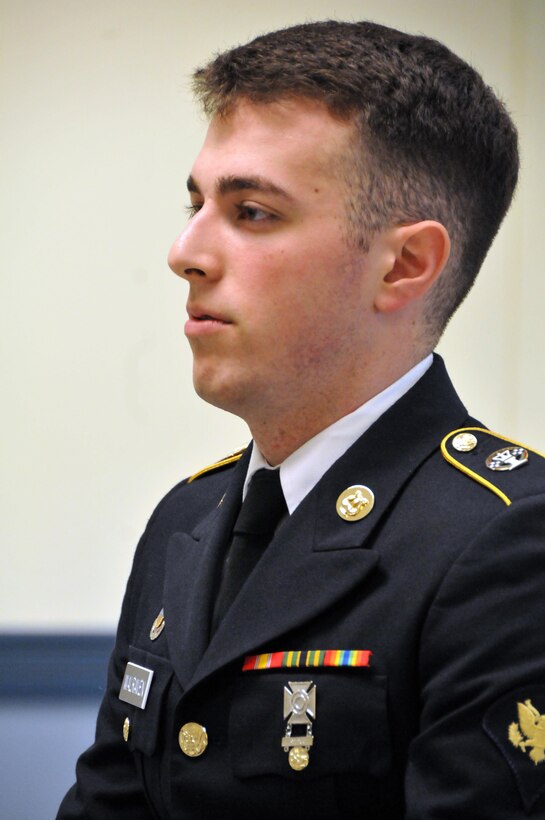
(488, 457)
(217, 465)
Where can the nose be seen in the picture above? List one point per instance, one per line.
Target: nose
(195, 252)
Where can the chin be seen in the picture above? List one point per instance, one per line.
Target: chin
(231, 393)
(216, 389)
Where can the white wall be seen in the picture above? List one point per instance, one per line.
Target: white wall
(99, 132)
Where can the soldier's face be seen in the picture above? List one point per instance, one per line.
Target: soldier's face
(276, 295)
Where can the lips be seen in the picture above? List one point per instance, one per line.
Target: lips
(201, 320)
(206, 317)
(198, 315)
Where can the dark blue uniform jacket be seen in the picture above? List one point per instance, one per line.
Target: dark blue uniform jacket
(444, 582)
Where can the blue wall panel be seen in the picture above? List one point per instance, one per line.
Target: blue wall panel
(50, 690)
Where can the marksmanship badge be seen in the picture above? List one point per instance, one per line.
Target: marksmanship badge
(529, 731)
(299, 712)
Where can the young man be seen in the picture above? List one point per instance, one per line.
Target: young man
(370, 644)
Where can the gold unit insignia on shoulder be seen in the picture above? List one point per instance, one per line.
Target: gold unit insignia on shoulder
(528, 734)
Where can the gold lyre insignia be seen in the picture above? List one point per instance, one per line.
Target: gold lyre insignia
(529, 731)
(355, 502)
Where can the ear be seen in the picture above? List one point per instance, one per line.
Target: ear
(420, 252)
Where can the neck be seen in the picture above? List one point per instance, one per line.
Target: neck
(280, 431)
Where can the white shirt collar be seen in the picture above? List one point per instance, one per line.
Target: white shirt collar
(302, 470)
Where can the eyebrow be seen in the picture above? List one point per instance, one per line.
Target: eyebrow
(232, 184)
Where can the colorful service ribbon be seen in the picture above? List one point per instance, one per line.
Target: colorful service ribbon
(307, 658)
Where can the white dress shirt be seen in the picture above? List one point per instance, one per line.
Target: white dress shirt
(302, 470)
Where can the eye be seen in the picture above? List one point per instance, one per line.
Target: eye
(192, 209)
(252, 213)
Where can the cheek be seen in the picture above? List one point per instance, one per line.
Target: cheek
(295, 290)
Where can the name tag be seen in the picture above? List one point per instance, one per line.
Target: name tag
(136, 685)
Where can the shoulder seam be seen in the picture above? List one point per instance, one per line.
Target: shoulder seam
(224, 462)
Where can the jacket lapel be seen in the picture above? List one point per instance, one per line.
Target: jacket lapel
(190, 577)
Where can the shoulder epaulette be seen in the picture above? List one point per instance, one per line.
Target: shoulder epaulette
(217, 465)
(490, 460)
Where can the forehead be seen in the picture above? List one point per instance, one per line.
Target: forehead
(285, 138)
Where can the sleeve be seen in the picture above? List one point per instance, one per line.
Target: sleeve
(480, 751)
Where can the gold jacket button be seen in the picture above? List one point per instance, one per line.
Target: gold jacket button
(464, 442)
(193, 739)
(126, 729)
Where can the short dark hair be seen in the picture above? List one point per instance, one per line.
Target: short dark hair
(432, 139)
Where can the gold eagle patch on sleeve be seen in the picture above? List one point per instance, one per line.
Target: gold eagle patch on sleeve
(529, 731)
(516, 725)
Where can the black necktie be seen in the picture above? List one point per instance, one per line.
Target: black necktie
(260, 513)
